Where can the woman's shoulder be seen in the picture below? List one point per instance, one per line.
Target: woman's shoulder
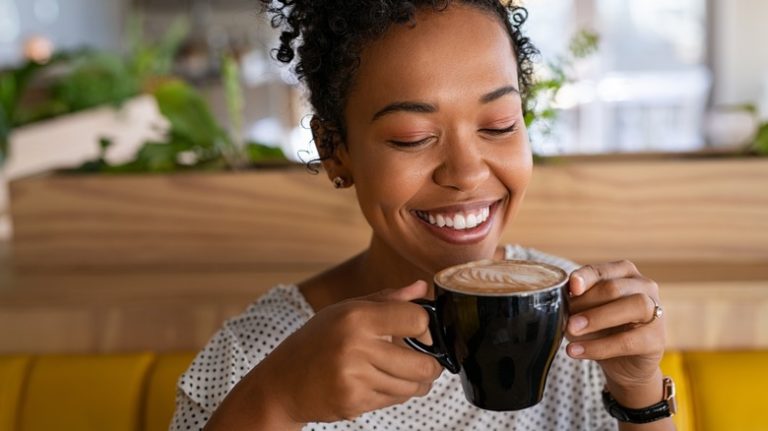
(242, 342)
(266, 322)
(517, 251)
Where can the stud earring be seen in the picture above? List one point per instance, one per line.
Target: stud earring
(338, 182)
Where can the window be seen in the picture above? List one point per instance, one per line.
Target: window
(646, 89)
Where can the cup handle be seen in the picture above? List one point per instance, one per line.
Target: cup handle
(438, 349)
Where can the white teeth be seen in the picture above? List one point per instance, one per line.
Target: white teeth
(440, 220)
(472, 221)
(460, 220)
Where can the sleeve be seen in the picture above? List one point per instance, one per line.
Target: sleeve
(189, 415)
(539, 256)
(213, 373)
(601, 420)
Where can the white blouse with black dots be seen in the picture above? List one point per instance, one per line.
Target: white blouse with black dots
(572, 398)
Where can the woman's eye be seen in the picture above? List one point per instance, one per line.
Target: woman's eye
(510, 129)
(410, 144)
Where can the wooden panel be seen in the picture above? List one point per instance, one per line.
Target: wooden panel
(664, 210)
(124, 312)
(724, 315)
(121, 263)
(253, 220)
(50, 328)
(121, 312)
(683, 210)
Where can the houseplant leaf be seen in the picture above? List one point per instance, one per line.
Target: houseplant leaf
(188, 114)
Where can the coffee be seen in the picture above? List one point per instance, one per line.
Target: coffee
(499, 277)
(498, 324)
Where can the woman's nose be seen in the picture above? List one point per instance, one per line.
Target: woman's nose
(463, 166)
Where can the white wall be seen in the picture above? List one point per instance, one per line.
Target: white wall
(741, 50)
(70, 23)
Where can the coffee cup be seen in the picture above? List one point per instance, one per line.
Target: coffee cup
(498, 324)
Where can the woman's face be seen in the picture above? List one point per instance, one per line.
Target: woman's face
(436, 143)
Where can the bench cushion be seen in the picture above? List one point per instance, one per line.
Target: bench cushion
(84, 392)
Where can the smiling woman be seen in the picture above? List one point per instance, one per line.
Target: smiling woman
(418, 105)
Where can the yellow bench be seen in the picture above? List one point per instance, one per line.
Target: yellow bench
(135, 392)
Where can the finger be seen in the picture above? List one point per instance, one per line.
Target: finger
(632, 309)
(610, 290)
(643, 340)
(416, 290)
(393, 387)
(407, 364)
(587, 276)
(398, 319)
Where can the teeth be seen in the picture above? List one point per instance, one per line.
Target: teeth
(440, 220)
(459, 221)
(471, 221)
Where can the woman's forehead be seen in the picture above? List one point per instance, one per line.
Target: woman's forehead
(459, 52)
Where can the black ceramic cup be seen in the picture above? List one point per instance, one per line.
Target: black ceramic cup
(498, 324)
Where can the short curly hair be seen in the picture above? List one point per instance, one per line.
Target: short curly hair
(328, 37)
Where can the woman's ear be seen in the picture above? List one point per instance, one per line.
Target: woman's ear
(332, 151)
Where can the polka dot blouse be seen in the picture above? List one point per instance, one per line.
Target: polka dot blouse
(571, 398)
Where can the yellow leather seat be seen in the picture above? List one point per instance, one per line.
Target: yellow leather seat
(729, 389)
(715, 391)
(672, 365)
(13, 374)
(161, 392)
(83, 393)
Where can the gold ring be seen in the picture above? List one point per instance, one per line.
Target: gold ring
(658, 311)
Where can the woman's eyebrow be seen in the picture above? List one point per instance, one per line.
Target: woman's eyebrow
(500, 92)
(426, 108)
(423, 108)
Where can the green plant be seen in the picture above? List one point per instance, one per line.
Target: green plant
(761, 141)
(13, 84)
(540, 103)
(82, 79)
(194, 141)
(148, 59)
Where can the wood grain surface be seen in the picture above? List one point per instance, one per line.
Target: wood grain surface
(104, 264)
(666, 211)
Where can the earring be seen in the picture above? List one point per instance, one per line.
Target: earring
(338, 182)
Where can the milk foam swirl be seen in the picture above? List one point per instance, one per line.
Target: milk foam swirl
(500, 276)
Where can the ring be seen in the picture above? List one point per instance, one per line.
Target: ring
(658, 311)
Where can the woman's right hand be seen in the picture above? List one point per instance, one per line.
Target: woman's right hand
(347, 360)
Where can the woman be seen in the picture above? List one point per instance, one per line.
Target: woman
(419, 106)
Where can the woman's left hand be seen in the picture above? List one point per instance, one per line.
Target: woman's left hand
(612, 308)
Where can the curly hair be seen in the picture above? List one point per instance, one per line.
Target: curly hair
(328, 37)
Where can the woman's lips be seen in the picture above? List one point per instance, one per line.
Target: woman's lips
(460, 227)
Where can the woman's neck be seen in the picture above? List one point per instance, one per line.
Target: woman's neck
(375, 269)
(380, 268)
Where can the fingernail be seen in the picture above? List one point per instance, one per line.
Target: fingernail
(578, 323)
(577, 280)
(576, 349)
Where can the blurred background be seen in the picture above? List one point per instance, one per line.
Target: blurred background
(152, 182)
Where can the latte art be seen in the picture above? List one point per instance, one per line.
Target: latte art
(498, 277)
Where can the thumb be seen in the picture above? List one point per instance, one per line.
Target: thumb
(416, 290)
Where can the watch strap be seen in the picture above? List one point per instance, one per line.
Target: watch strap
(663, 409)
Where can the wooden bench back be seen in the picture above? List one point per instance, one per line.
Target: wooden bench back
(661, 211)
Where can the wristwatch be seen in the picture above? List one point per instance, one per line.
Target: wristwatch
(663, 409)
